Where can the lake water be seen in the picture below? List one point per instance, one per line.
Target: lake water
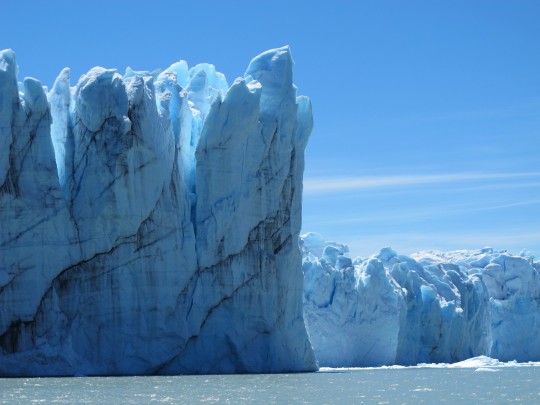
(358, 386)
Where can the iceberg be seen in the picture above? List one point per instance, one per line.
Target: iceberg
(150, 221)
(429, 307)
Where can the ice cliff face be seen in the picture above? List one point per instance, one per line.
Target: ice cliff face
(430, 307)
(149, 222)
(513, 286)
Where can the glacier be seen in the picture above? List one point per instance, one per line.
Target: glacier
(428, 307)
(150, 224)
(150, 221)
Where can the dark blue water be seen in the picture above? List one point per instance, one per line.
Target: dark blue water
(360, 386)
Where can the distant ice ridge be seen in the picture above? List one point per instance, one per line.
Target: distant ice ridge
(150, 221)
(430, 307)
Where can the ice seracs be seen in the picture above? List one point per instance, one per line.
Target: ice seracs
(513, 285)
(430, 307)
(150, 221)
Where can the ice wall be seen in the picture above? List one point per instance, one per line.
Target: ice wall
(431, 307)
(513, 286)
(149, 222)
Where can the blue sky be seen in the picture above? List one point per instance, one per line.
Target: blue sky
(427, 113)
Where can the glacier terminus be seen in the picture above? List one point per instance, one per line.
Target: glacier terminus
(150, 221)
(150, 224)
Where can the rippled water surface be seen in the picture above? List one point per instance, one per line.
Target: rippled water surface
(370, 386)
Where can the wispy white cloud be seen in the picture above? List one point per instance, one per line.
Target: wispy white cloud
(412, 214)
(334, 184)
(494, 186)
(529, 109)
(511, 205)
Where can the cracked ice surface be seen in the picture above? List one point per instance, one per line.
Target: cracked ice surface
(430, 307)
(150, 221)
